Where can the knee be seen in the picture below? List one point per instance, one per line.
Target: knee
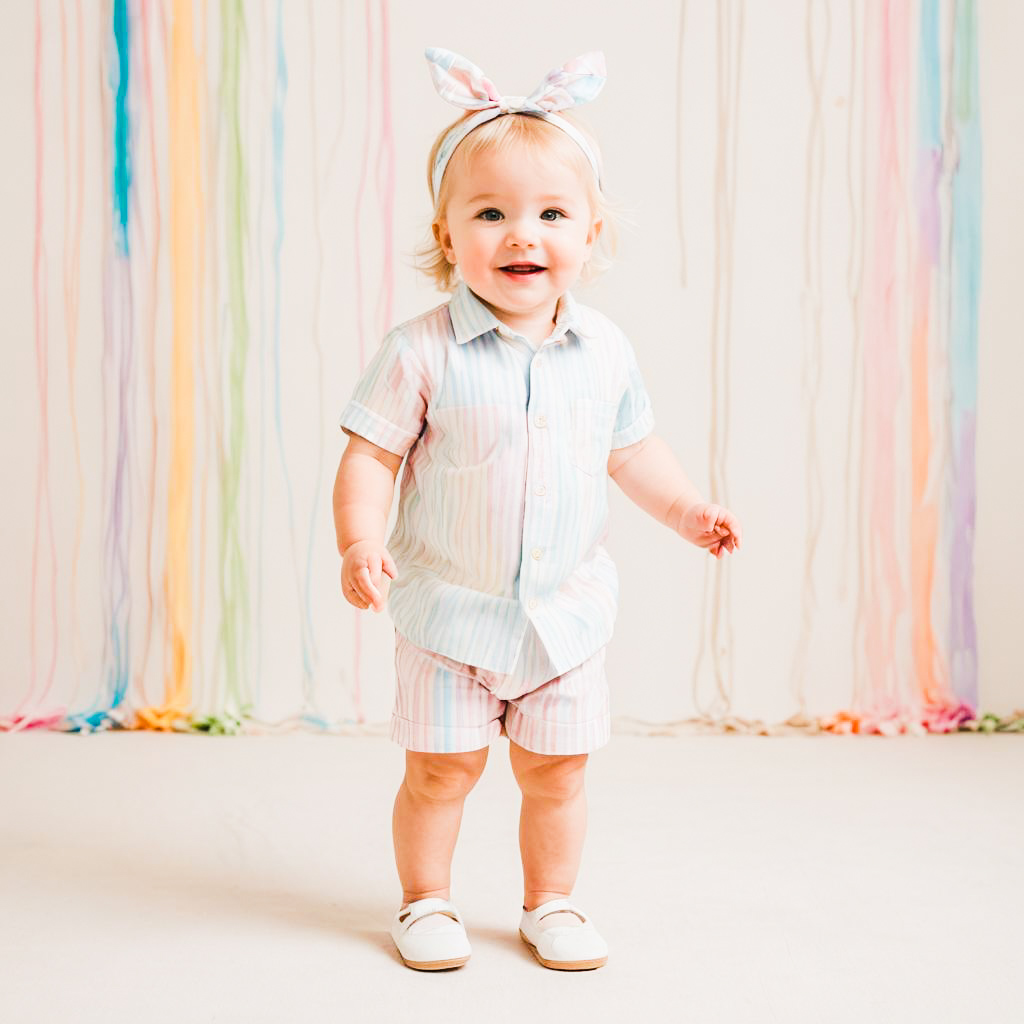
(443, 776)
(558, 777)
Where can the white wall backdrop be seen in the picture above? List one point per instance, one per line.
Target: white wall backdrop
(699, 97)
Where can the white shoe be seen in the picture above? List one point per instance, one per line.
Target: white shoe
(569, 947)
(434, 950)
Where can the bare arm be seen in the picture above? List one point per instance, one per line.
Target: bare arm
(363, 491)
(651, 477)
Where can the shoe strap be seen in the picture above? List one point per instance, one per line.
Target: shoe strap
(562, 904)
(421, 908)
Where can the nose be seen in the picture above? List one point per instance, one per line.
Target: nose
(521, 234)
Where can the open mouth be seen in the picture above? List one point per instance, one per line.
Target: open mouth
(523, 269)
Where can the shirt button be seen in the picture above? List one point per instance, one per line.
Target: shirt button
(540, 489)
(541, 421)
(536, 553)
(533, 603)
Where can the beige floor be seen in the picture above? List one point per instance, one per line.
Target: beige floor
(151, 878)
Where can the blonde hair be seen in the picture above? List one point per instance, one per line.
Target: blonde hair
(500, 135)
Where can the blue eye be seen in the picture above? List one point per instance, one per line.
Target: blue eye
(483, 214)
(557, 213)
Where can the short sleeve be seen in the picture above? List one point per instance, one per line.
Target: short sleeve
(635, 418)
(389, 403)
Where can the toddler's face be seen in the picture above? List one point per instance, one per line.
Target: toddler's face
(520, 228)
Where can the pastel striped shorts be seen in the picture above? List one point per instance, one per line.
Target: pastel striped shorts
(444, 706)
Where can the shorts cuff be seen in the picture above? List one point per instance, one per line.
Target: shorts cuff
(543, 737)
(442, 739)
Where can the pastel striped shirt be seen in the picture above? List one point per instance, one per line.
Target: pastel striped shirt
(503, 506)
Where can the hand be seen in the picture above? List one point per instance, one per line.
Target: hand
(712, 527)
(364, 569)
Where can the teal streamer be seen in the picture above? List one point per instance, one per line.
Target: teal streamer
(106, 711)
(122, 124)
(277, 133)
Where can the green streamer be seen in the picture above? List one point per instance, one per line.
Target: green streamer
(233, 576)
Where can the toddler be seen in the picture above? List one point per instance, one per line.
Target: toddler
(511, 404)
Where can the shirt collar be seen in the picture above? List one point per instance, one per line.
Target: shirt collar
(471, 318)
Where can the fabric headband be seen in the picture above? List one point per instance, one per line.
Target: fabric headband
(463, 84)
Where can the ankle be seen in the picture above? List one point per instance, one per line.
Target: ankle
(536, 898)
(412, 897)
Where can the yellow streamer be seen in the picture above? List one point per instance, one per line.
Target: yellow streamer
(184, 159)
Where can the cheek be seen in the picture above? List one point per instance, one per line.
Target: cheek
(572, 248)
(474, 247)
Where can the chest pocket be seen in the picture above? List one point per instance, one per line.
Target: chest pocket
(592, 422)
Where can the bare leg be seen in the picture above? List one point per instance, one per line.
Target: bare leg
(426, 819)
(552, 823)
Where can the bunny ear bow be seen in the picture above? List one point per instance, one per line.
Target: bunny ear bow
(460, 82)
(463, 84)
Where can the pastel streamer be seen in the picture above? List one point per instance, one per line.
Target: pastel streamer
(925, 494)
(940, 709)
(74, 160)
(278, 132)
(184, 189)
(386, 193)
(234, 585)
(122, 353)
(280, 93)
(812, 305)
(965, 277)
(43, 541)
(153, 245)
(714, 638)
(308, 635)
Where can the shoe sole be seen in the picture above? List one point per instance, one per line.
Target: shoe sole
(564, 965)
(434, 965)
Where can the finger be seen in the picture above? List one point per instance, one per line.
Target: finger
(373, 600)
(368, 588)
(732, 524)
(355, 593)
(374, 563)
(389, 565)
(366, 583)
